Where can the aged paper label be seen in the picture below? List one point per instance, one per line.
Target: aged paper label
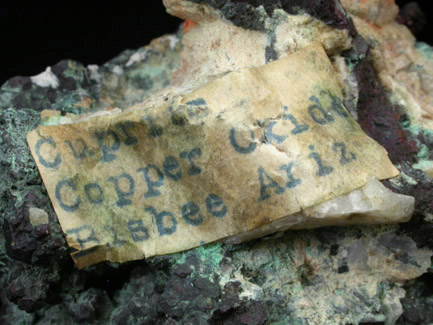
(246, 149)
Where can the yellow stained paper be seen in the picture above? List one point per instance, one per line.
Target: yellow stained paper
(244, 150)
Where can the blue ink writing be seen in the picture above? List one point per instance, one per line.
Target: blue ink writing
(215, 206)
(49, 164)
(197, 107)
(160, 221)
(270, 136)
(190, 155)
(299, 128)
(67, 183)
(323, 169)
(138, 231)
(345, 156)
(191, 214)
(83, 235)
(176, 117)
(338, 107)
(293, 182)
(152, 184)
(125, 127)
(171, 168)
(94, 193)
(318, 113)
(122, 195)
(116, 241)
(266, 182)
(106, 148)
(155, 131)
(239, 148)
(85, 152)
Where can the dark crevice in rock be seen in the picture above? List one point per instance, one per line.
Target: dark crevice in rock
(412, 16)
(379, 118)
(246, 13)
(270, 52)
(418, 302)
(109, 277)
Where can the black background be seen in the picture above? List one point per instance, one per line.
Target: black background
(35, 35)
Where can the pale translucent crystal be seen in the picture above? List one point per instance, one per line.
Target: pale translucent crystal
(371, 204)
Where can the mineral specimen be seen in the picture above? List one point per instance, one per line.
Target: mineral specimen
(211, 167)
(334, 275)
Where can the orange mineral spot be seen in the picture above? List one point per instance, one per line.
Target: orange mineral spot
(188, 25)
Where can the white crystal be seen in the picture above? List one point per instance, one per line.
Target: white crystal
(94, 74)
(46, 79)
(136, 57)
(118, 70)
(38, 216)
